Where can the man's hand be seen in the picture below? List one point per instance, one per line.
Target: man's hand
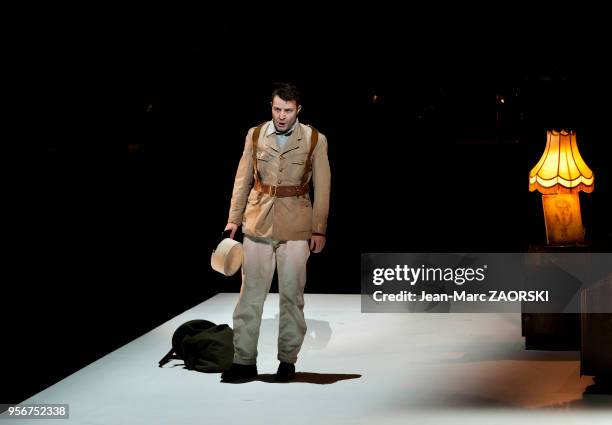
(317, 242)
(233, 227)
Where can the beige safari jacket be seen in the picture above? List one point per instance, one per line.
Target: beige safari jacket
(287, 218)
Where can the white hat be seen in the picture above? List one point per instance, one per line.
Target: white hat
(227, 257)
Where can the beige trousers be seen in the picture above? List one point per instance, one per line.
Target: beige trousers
(261, 257)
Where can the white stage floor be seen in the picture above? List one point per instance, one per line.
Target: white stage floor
(354, 368)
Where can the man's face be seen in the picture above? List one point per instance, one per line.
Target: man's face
(284, 113)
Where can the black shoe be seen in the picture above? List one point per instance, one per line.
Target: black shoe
(285, 372)
(238, 372)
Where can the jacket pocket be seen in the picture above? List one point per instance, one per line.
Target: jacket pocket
(298, 158)
(264, 161)
(305, 202)
(264, 156)
(296, 164)
(302, 218)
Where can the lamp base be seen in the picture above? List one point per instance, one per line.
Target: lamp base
(575, 247)
(563, 219)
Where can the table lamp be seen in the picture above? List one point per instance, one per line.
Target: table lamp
(559, 175)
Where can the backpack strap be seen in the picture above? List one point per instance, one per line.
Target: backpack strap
(168, 357)
(314, 138)
(255, 139)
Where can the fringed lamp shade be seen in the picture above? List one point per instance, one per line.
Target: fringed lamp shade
(559, 175)
(561, 168)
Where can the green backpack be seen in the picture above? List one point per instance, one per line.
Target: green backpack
(203, 346)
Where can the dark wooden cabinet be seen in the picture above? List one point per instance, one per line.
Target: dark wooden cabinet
(596, 329)
(560, 328)
(551, 331)
(589, 330)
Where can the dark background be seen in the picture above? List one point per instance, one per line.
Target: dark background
(120, 174)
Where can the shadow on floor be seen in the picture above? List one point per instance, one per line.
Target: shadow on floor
(303, 377)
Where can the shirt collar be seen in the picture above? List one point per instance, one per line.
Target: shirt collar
(272, 129)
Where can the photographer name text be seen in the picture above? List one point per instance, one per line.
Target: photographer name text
(463, 296)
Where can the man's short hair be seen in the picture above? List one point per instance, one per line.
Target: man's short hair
(287, 92)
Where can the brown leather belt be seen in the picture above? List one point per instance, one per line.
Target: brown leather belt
(281, 191)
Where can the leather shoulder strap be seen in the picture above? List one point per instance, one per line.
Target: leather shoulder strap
(314, 138)
(255, 139)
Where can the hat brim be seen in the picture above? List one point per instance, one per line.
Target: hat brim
(227, 257)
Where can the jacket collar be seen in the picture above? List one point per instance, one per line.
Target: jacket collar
(292, 143)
